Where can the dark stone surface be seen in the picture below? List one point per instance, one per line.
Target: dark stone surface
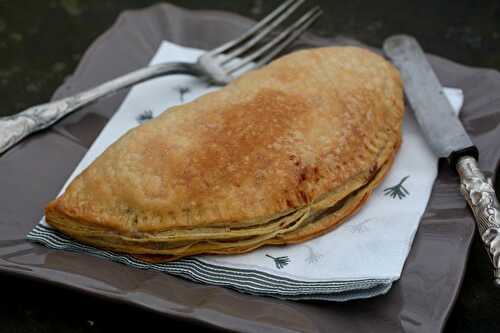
(42, 41)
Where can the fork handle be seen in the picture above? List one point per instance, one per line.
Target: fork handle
(16, 127)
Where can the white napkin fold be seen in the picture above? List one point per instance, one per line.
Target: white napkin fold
(360, 258)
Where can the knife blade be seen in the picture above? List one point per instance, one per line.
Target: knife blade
(447, 137)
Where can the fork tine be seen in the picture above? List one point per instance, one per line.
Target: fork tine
(284, 39)
(291, 38)
(259, 35)
(226, 46)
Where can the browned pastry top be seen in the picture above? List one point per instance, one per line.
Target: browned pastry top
(276, 140)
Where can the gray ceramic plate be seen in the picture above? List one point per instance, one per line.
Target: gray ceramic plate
(33, 172)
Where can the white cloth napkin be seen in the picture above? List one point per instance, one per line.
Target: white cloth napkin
(360, 258)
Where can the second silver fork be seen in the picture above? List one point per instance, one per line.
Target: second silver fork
(220, 66)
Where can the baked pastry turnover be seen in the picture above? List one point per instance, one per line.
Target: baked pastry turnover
(279, 156)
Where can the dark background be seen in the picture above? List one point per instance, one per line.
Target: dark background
(41, 42)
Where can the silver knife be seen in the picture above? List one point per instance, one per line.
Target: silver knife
(447, 137)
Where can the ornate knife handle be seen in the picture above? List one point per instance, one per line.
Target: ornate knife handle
(14, 128)
(480, 195)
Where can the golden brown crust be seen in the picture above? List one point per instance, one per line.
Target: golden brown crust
(294, 137)
(317, 225)
(320, 226)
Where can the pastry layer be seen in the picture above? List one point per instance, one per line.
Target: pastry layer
(254, 163)
(301, 225)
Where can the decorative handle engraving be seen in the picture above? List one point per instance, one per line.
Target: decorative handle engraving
(481, 197)
(14, 128)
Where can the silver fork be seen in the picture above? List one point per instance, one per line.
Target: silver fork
(220, 66)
